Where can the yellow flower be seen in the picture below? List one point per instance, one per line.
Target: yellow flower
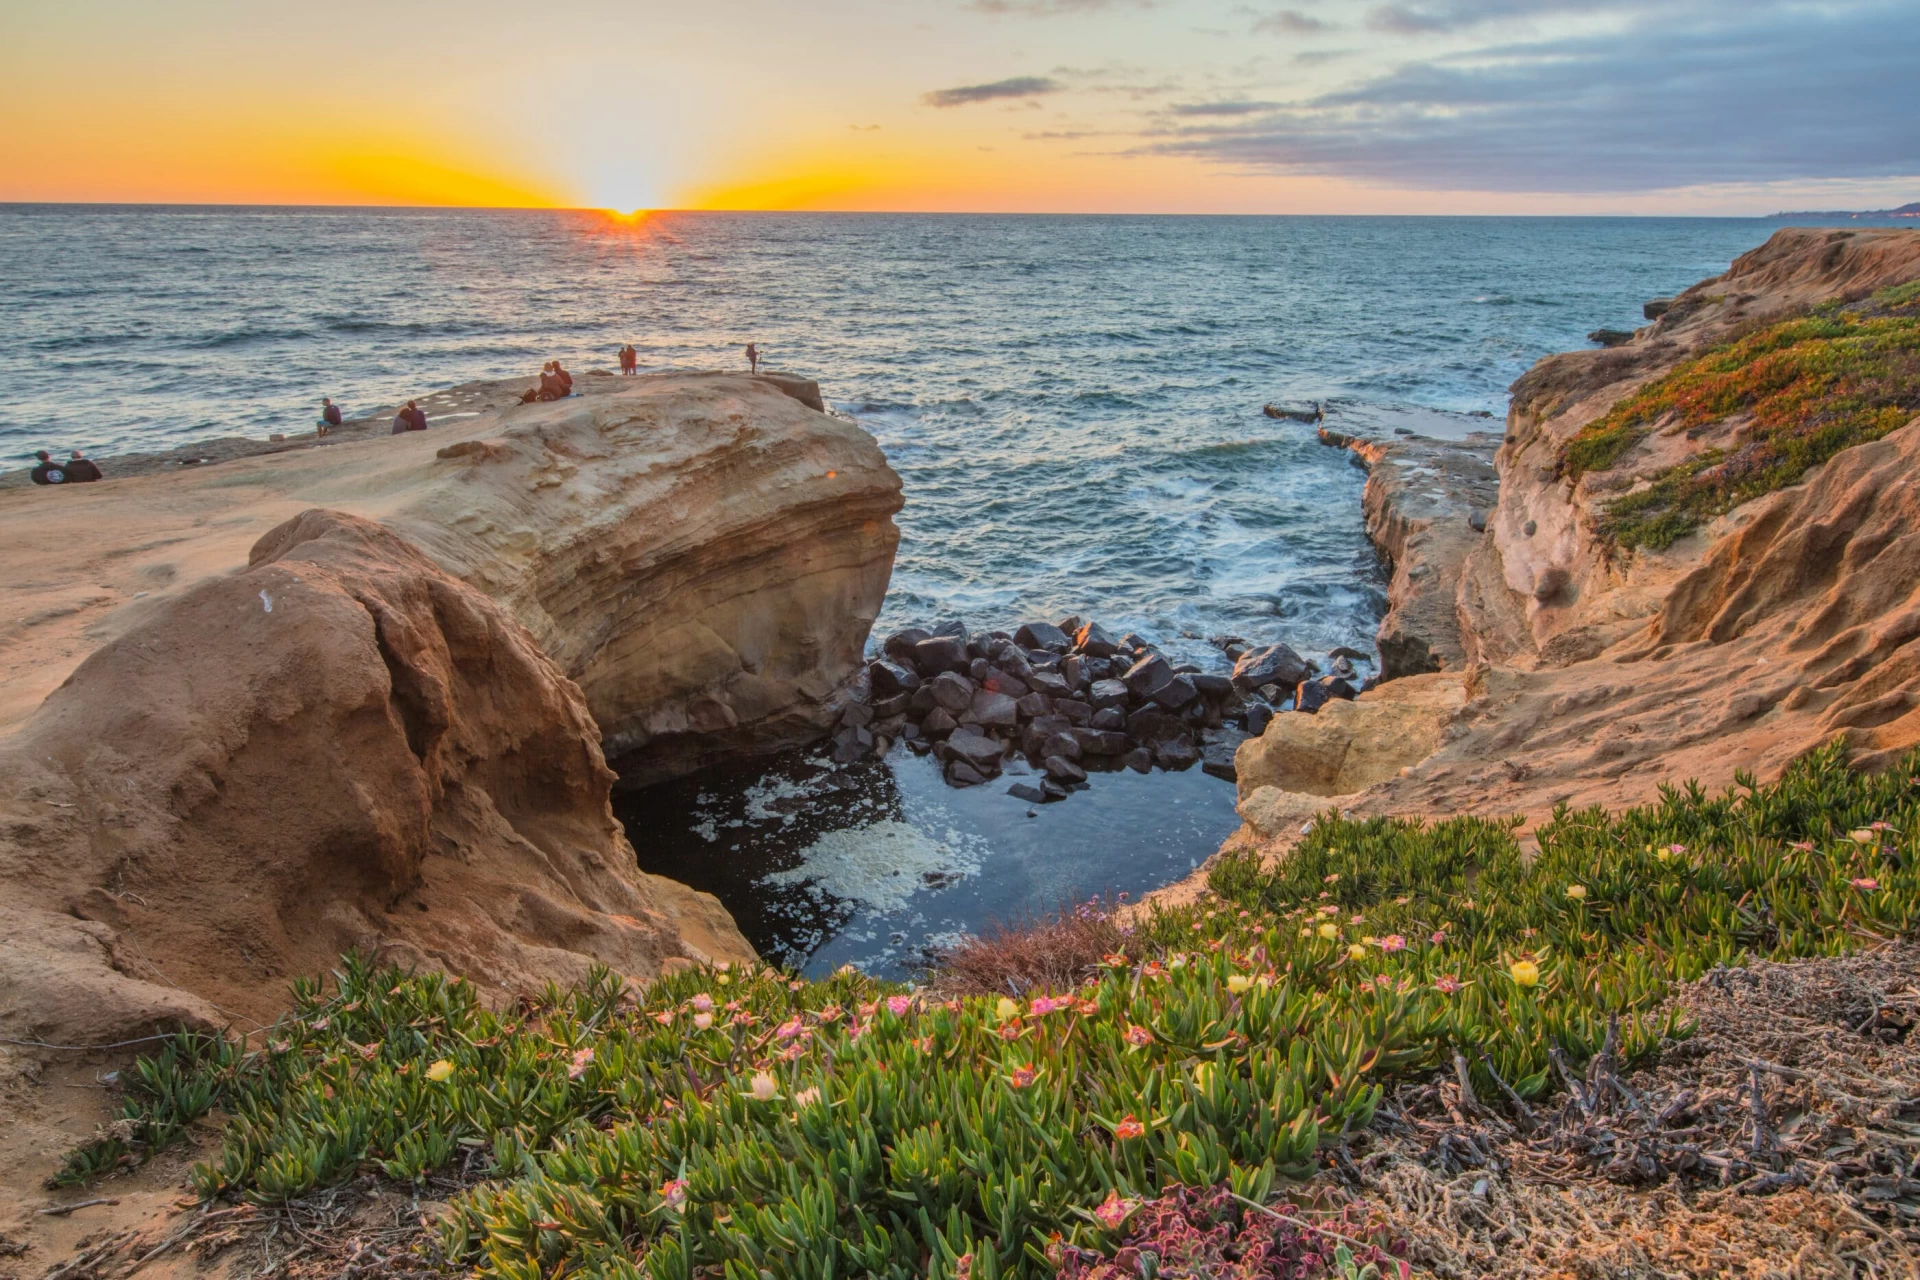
(1526, 973)
(1006, 1009)
(1238, 983)
(1329, 931)
(440, 1070)
(1576, 891)
(1356, 952)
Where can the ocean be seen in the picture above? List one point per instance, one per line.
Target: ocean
(1073, 403)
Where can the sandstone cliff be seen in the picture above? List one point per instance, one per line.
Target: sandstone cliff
(1592, 674)
(702, 553)
(340, 746)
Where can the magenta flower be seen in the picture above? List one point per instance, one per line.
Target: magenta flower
(898, 1005)
(1866, 882)
(1393, 942)
(790, 1028)
(1439, 936)
(1114, 1211)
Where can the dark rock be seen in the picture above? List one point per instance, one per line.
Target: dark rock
(952, 691)
(1147, 675)
(981, 643)
(919, 746)
(1074, 671)
(1034, 704)
(1217, 752)
(921, 701)
(1611, 337)
(1656, 308)
(1151, 725)
(856, 715)
(1343, 667)
(1062, 769)
(1051, 684)
(1042, 635)
(1530, 528)
(1101, 742)
(978, 669)
(1138, 643)
(890, 677)
(953, 629)
(851, 744)
(1076, 711)
(962, 774)
(1108, 693)
(1177, 753)
(998, 681)
(1140, 760)
(939, 723)
(940, 653)
(981, 752)
(1315, 694)
(1042, 728)
(1094, 641)
(1477, 519)
(1070, 624)
(1028, 792)
(897, 705)
(1351, 655)
(993, 709)
(1061, 744)
(1236, 651)
(1274, 664)
(899, 645)
(911, 733)
(1176, 693)
(1187, 669)
(1110, 718)
(1054, 790)
(1214, 687)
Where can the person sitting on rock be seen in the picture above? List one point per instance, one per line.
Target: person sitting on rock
(564, 379)
(49, 471)
(82, 469)
(411, 418)
(329, 416)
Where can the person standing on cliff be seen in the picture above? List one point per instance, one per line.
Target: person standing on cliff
(753, 358)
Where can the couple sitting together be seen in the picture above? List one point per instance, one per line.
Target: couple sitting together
(555, 384)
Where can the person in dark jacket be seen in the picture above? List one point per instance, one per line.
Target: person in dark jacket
(329, 416)
(82, 469)
(411, 418)
(49, 471)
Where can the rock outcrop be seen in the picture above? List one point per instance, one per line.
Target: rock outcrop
(339, 747)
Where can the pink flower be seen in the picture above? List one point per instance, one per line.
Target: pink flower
(1879, 826)
(1086, 1008)
(898, 1005)
(673, 1195)
(1804, 846)
(790, 1028)
(664, 1017)
(582, 1059)
(1129, 1128)
(1866, 882)
(1393, 942)
(1114, 1211)
(1446, 984)
(1044, 1005)
(1022, 1076)
(1676, 849)
(368, 1052)
(1010, 1030)
(832, 1013)
(1137, 1036)
(1117, 960)
(704, 1003)
(1439, 937)
(794, 985)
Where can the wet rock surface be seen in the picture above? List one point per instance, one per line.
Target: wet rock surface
(1051, 702)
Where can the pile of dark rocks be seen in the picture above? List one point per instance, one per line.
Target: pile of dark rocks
(1051, 701)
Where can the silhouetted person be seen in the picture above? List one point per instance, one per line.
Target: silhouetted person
(49, 471)
(753, 358)
(82, 469)
(629, 359)
(565, 380)
(411, 418)
(329, 416)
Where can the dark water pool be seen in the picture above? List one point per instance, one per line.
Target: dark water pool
(875, 863)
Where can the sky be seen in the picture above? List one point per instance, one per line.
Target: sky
(1201, 106)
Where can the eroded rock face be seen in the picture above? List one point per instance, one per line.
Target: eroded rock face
(340, 747)
(1345, 747)
(703, 554)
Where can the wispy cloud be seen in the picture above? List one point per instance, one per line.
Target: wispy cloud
(967, 94)
(1048, 8)
(1287, 22)
(1692, 92)
(1235, 108)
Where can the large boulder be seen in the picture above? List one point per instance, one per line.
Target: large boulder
(1349, 746)
(339, 747)
(1272, 664)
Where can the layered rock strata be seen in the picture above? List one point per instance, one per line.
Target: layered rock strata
(339, 747)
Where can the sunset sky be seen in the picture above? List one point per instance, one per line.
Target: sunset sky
(1455, 106)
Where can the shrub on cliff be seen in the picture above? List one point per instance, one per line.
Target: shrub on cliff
(1813, 385)
(750, 1123)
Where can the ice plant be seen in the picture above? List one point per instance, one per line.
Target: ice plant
(1393, 942)
(1355, 951)
(1129, 1128)
(1113, 1212)
(806, 1097)
(1329, 931)
(1238, 983)
(440, 1070)
(1137, 1036)
(1525, 972)
(703, 1003)
(1862, 835)
(762, 1088)
(582, 1059)
(1866, 882)
(1022, 1076)
(1446, 984)
(673, 1195)
(1577, 892)
(898, 1005)
(702, 1021)
(1005, 1009)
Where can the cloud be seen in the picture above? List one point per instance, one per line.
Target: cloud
(1018, 87)
(1048, 8)
(1452, 15)
(1287, 22)
(1240, 108)
(1691, 93)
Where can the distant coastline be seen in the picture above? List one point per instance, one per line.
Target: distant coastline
(1909, 210)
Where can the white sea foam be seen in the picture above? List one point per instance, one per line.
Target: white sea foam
(879, 866)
